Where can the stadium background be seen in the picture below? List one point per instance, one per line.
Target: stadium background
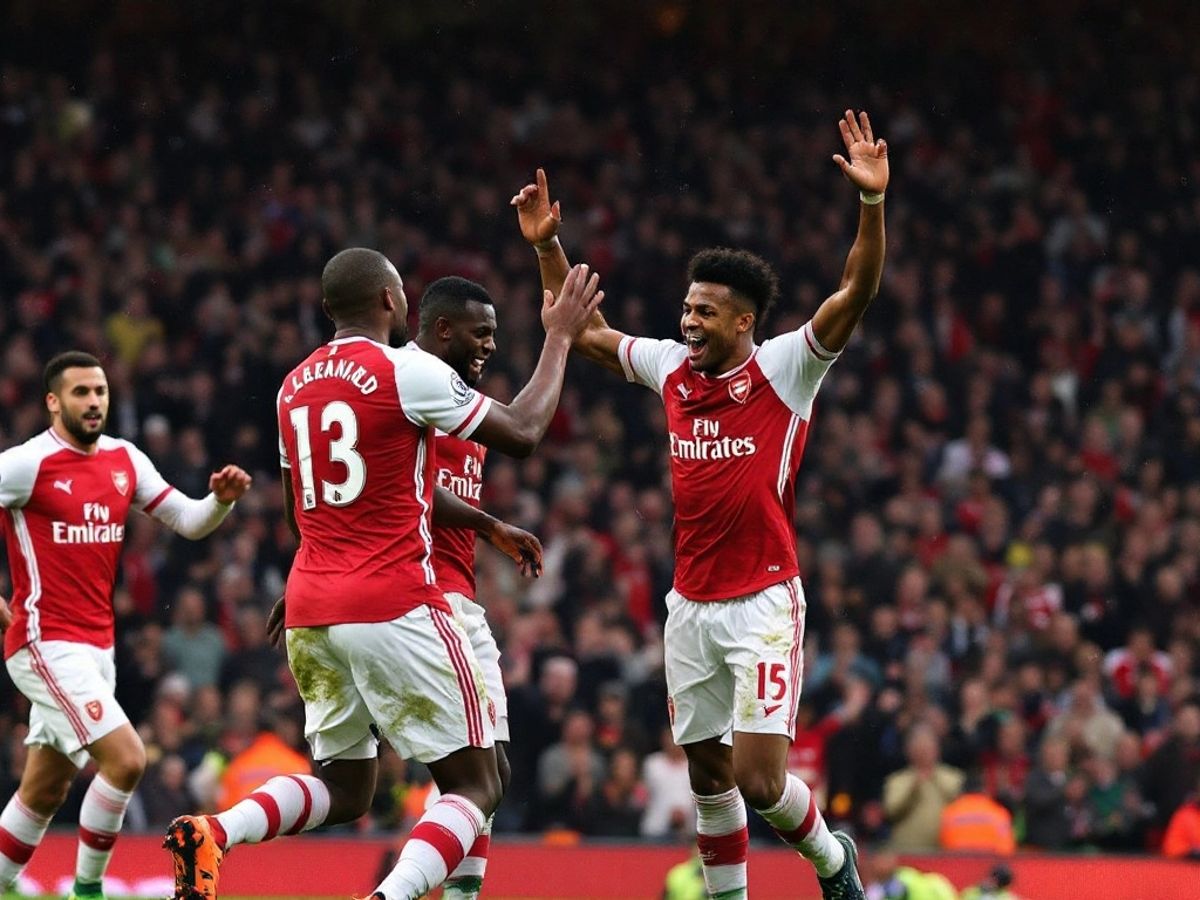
(1002, 484)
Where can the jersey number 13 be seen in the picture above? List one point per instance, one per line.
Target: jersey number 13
(341, 450)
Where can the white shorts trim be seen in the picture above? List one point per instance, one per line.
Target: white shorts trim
(473, 619)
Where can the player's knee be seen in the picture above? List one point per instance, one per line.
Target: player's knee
(347, 804)
(760, 790)
(125, 770)
(46, 797)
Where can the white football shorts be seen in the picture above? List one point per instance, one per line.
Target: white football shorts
(735, 665)
(70, 690)
(474, 622)
(415, 679)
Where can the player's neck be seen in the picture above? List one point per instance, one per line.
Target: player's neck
(378, 335)
(70, 440)
(737, 358)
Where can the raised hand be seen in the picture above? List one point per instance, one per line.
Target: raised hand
(570, 311)
(538, 217)
(867, 166)
(229, 484)
(518, 545)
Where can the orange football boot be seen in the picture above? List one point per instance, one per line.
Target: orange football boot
(197, 856)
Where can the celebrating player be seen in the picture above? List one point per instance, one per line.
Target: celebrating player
(458, 326)
(370, 637)
(737, 416)
(67, 493)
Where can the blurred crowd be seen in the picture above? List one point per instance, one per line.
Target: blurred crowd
(998, 513)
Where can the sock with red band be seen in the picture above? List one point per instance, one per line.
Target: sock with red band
(287, 804)
(466, 881)
(723, 841)
(796, 819)
(436, 846)
(100, 820)
(21, 830)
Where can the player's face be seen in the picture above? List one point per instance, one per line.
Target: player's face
(471, 339)
(81, 401)
(714, 322)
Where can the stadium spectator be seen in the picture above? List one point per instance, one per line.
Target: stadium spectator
(192, 645)
(1171, 771)
(1183, 831)
(1046, 824)
(670, 809)
(975, 822)
(914, 797)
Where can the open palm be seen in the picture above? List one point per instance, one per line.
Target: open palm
(867, 166)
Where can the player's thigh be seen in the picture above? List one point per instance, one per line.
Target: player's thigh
(337, 722)
(419, 678)
(70, 690)
(762, 637)
(471, 617)
(699, 684)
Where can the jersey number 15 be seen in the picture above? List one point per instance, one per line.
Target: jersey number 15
(341, 450)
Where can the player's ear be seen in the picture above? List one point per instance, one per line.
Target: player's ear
(52, 403)
(442, 328)
(745, 323)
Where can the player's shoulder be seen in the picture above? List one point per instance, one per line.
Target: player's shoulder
(35, 449)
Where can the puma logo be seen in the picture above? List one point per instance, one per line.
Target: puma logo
(64, 485)
(685, 391)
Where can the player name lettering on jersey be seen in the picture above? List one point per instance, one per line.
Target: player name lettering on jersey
(706, 442)
(346, 369)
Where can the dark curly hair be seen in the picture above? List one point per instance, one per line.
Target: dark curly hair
(744, 273)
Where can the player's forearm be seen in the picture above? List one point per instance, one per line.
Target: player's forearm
(534, 406)
(864, 264)
(552, 265)
(193, 519)
(451, 512)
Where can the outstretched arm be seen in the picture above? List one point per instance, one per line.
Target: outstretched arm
(517, 429)
(540, 220)
(867, 169)
(196, 519)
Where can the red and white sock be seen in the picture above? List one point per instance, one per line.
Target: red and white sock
(723, 840)
(435, 848)
(21, 831)
(466, 881)
(287, 804)
(796, 819)
(100, 820)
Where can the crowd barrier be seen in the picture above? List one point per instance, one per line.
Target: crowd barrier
(339, 867)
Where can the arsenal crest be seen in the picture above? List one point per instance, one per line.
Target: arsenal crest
(121, 481)
(739, 387)
(94, 707)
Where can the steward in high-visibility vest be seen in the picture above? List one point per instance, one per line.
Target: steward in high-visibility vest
(977, 822)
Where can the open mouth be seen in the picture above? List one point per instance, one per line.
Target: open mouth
(93, 418)
(696, 344)
(476, 366)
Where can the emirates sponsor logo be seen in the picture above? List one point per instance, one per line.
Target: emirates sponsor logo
(739, 387)
(95, 528)
(120, 480)
(707, 442)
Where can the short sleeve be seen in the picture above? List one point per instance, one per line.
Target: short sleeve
(283, 459)
(152, 488)
(18, 472)
(648, 361)
(432, 393)
(795, 364)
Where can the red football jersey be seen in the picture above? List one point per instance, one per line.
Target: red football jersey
(459, 465)
(735, 444)
(356, 424)
(66, 512)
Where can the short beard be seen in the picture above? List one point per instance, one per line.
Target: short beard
(76, 429)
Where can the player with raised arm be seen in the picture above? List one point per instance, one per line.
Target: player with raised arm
(737, 417)
(67, 494)
(370, 637)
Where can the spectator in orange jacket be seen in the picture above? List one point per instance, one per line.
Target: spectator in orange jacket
(267, 756)
(974, 821)
(1183, 831)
